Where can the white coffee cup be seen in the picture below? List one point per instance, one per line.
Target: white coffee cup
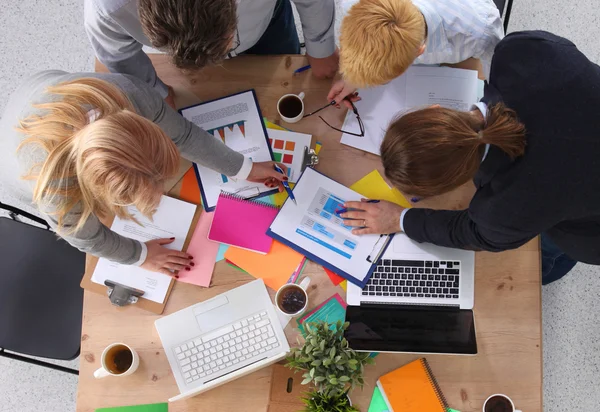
(502, 396)
(298, 116)
(109, 366)
(285, 289)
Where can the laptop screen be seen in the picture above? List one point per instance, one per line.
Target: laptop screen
(401, 328)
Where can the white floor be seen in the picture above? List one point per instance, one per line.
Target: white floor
(37, 35)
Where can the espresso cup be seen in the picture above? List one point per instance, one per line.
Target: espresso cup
(291, 107)
(291, 299)
(499, 403)
(118, 359)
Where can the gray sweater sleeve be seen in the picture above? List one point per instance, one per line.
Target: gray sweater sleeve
(118, 51)
(194, 143)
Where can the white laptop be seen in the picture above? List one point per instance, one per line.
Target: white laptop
(222, 339)
(419, 299)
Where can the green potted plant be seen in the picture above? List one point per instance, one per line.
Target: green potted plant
(330, 366)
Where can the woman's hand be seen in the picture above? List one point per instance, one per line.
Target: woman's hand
(163, 260)
(341, 92)
(381, 217)
(264, 172)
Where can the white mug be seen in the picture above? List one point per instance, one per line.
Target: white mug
(297, 118)
(303, 285)
(110, 370)
(503, 396)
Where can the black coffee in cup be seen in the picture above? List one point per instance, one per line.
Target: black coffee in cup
(119, 359)
(292, 299)
(290, 106)
(498, 404)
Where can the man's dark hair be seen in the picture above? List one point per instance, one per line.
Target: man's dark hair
(195, 33)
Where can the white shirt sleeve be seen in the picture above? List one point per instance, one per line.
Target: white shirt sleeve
(143, 255)
(244, 170)
(402, 215)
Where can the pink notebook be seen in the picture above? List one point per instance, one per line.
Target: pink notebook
(242, 223)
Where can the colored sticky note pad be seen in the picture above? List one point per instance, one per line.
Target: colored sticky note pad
(278, 144)
(277, 156)
(452, 410)
(155, 407)
(204, 252)
(373, 186)
(190, 189)
(335, 278)
(377, 402)
(291, 146)
(330, 311)
(344, 285)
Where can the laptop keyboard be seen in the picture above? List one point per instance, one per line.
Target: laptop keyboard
(415, 279)
(212, 352)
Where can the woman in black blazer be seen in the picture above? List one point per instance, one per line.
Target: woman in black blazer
(538, 173)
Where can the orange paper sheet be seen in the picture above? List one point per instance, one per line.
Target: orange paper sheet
(335, 278)
(275, 268)
(190, 189)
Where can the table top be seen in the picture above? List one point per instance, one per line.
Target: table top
(507, 288)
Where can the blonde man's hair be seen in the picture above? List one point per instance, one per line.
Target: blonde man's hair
(379, 40)
(100, 166)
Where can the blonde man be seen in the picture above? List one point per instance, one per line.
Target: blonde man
(380, 39)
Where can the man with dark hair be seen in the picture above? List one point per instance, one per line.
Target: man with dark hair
(197, 33)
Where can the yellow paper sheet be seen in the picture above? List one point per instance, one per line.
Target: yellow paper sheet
(275, 268)
(372, 186)
(344, 285)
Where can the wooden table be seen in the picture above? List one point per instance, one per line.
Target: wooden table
(507, 292)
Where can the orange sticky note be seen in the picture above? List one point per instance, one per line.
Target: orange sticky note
(275, 268)
(190, 189)
(335, 278)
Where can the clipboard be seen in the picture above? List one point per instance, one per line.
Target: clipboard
(372, 258)
(251, 193)
(142, 303)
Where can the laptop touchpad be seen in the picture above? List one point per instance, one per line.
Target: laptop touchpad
(213, 313)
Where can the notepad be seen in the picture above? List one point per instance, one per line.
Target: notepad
(412, 388)
(203, 251)
(242, 223)
(155, 407)
(377, 402)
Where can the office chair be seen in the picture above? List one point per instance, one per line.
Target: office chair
(501, 4)
(41, 301)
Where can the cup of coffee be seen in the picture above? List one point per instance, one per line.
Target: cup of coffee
(292, 299)
(291, 107)
(117, 359)
(499, 403)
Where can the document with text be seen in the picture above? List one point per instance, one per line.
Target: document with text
(313, 227)
(418, 87)
(172, 219)
(235, 120)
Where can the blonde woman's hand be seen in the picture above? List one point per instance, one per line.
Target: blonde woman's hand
(163, 260)
(381, 217)
(264, 172)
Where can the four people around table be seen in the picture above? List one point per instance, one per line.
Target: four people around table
(84, 146)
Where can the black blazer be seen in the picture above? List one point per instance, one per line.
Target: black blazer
(555, 187)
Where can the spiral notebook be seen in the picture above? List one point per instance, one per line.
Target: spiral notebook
(412, 388)
(242, 223)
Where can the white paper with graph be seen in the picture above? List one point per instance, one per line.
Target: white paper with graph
(419, 86)
(237, 121)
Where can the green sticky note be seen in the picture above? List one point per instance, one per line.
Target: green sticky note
(330, 311)
(277, 156)
(377, 402)
(155, 407)
(452, 410)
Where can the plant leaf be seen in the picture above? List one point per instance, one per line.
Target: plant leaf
(312, 373)
(320, 379)
(306, 381)
(316, 362)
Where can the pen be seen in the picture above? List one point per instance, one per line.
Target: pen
(344, 210)
(286, 185)
(301, 69)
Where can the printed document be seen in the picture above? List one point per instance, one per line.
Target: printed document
(236, 121)
(313, 227)
(172, 219)
(418, 87)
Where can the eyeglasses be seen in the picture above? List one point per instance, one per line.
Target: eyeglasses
(354, 109)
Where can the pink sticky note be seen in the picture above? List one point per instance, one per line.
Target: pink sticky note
(204, 252)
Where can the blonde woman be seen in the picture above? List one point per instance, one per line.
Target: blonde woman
(80, 147)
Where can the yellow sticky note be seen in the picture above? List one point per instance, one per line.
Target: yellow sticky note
(280, 198)
(271, 125)
(372, 186)
(344, 285)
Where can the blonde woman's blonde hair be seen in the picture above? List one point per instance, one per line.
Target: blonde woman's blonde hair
(102, 165)
(379, 39)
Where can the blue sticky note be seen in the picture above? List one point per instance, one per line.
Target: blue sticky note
(330, 311)
(221, 253)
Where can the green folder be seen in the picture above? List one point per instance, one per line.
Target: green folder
(155, 407)
(377, 402)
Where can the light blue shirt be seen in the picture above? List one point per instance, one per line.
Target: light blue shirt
(482, 107)
(460, 29)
